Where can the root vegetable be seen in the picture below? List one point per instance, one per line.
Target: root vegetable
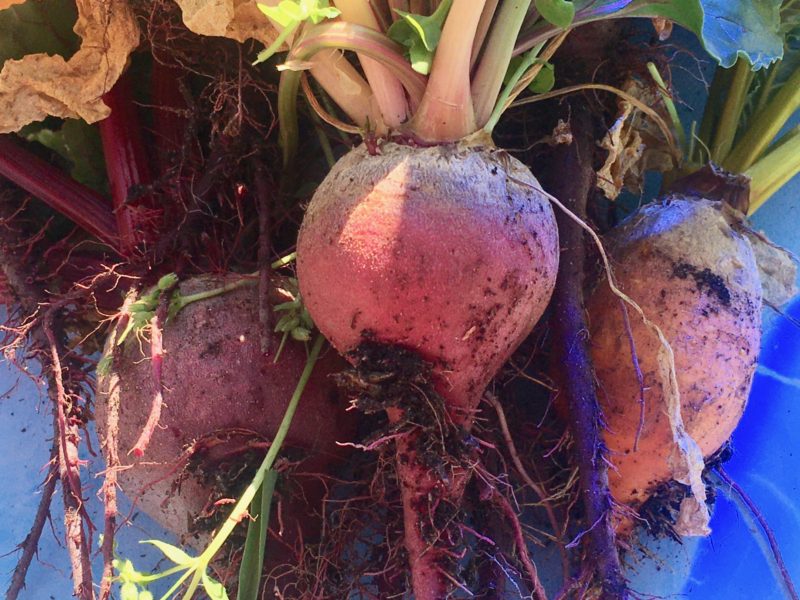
(448, 251)
(694, 275)
(223, 400)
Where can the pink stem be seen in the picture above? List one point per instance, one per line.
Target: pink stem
(157, 362)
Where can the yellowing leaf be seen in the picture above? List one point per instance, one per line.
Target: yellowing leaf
(6, 3)
(39, 85)
(238, 20)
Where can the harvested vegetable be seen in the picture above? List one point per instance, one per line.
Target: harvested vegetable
(687, 266)
(210, 426)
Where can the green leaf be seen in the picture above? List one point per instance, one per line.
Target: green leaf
(167, 281)
(420, 35)
(129, 591)
(301, 334)
(38, 27)
(560, 13)
(256, 540)
(743, 27)
(145, 595)
(214, 589)
(544, 80)
(173, 553)
(727, 28)
(291, 12)
(79, 144)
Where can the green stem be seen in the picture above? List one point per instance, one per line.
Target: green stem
(766, 88)
(182, 302)
(527, 61)
(156, 576)
(276, 45)
(179, 583)
(774, 169)
(249, 493)
(728, 123)
(494, 62)
(285, 260)
(716, 97)
(446, 113)
(765, 126)
(680, 132)
(323, 140)
(256, 540)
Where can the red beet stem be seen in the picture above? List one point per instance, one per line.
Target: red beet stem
(126, 164)
(75, 201)
(170, 123)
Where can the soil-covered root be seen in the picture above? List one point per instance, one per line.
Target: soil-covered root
(694, 275)
(223, 401)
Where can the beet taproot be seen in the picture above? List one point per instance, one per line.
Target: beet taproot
(695, 276)
(223, 402)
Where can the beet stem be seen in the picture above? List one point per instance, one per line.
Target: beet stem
(571, 351)
(126, 164)
(75, 201)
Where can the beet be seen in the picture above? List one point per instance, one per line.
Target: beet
(223, 401)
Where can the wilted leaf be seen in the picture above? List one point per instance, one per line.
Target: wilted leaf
(39, 85)
(634, 144)
(238, 20)
(776, 269)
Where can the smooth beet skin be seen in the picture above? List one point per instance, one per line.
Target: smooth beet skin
(693, 274)
(450, 251)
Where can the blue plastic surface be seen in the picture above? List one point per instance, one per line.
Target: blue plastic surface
(733, 563)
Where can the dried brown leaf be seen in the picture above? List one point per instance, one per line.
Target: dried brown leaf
(634, 143)
(39, 85)
(776, 268)
(238, 20)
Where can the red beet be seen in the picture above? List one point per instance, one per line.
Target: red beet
(223, 401)
(449, 251)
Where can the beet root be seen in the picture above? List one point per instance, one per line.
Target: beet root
(223, 402)
(450, 252)
(695, 276)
